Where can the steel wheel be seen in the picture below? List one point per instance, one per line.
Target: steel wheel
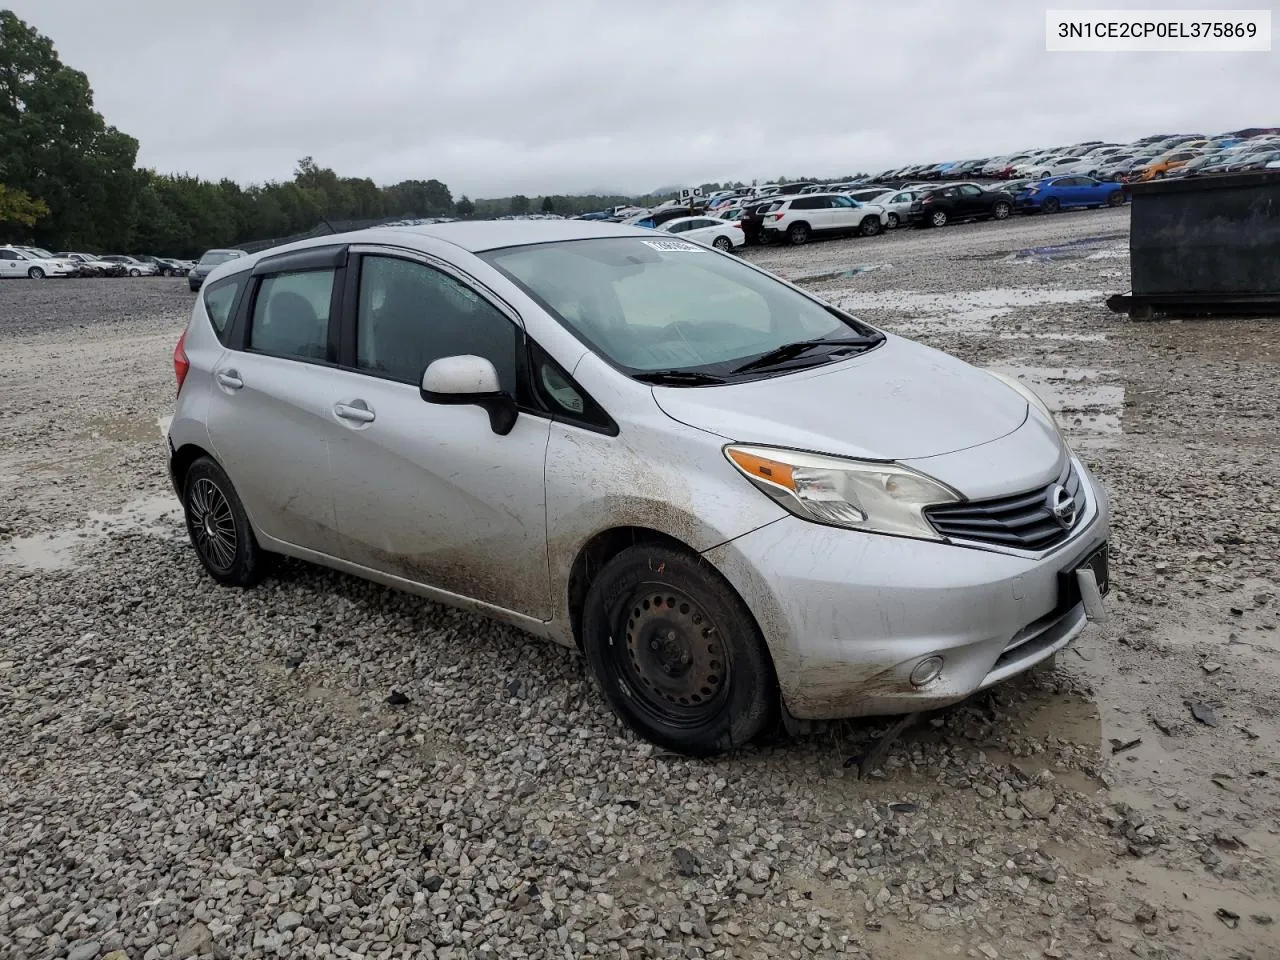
(213, 525)
(675, 662)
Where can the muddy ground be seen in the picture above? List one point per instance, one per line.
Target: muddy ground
(192, 771)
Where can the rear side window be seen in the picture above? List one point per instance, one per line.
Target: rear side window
(291, 315)
(220, 300)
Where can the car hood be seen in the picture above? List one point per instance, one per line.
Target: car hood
(900, 401)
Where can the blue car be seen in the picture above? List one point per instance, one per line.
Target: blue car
(1063, 193)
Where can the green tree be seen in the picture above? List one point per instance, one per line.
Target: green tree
(58, 149)
(464, 207)
(17, 207)
(519, 204)
(548, 205)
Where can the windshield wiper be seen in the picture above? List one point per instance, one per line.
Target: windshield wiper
(789, 351)
(677, 378)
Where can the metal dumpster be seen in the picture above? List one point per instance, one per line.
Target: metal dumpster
(1204, 245)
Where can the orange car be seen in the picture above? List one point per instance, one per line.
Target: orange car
(1163, 164)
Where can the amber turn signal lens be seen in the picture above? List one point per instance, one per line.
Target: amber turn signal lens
(770, 470)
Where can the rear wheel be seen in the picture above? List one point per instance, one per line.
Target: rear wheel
(35, 273)
(893, 221)
(1001, 210)
(218, 526)
(1115, 198)
(166, 272)
(135, 272)
(938, 218)
(722, 243)
(869, 227)
(676, 652)
(798, 233)
(1049, 205)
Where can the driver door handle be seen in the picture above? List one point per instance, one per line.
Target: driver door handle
(357, 411)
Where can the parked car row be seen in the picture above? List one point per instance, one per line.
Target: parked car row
(36, 263)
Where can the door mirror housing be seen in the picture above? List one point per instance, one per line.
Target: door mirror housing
(473, 381)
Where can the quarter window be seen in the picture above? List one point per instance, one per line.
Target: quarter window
(291, 315)
(410, 315)
(970, 191)
(219, 299)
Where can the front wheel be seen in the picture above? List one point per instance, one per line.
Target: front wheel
(218, 526)
(676, 652)
(723, 243)
(135, 272)
(869, 227)
(166, 272)
(938, 218)
(35, 273)
(1115, 198)
(1000, 211)
(799, 233)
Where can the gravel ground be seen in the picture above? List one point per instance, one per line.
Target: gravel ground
(322, 767)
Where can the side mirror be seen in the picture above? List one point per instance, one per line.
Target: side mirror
(470, 380)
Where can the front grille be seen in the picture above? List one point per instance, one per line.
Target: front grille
(1024, 521)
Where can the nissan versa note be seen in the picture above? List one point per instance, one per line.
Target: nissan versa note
(735, 499)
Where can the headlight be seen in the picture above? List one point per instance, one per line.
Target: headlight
(857, 494)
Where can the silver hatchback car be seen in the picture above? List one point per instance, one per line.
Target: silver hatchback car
(735, 499)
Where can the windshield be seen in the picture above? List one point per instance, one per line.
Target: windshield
(214, 257)
(650, 305)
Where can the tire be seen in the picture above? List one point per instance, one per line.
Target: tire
(35, 273)
(723, 243)
(893, 221)
(218, 526)
(195, 287)
(1001, 210)
(661, 626)
(938, 218)
(870, 226)
(798, 233)
(135, 272)
(1115, 198)
(1050, 205)
(166, 272)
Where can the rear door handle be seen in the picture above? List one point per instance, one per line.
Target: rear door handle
(357, 411)
(229, 379)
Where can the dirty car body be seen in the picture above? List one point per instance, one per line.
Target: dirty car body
(735, 498)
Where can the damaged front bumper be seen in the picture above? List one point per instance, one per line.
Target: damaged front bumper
(855, 621)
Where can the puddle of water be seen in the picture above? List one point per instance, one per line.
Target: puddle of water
(1062, 336)
(1074, 395)
(969, 312)
(57, 549)
(1086, 248)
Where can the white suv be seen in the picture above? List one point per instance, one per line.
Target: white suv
(33, 263)
(816, 214)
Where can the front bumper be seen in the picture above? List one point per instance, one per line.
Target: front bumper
(847, 616)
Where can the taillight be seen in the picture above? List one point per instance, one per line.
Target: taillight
(737, 223)
(778, 216)
(926, 199)
(180, 362)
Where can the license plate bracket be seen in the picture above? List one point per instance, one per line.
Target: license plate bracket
(1069, 589)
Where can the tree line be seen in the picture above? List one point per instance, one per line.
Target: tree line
(70, 181)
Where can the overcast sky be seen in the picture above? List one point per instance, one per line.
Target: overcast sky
(566, 96)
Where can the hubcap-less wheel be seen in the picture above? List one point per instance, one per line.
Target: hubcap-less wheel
(938, 218)
(1001, 211)
(213, 525)
(676, 663)
(723, 243)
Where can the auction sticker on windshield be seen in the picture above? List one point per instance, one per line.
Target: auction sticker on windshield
(673, 246)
